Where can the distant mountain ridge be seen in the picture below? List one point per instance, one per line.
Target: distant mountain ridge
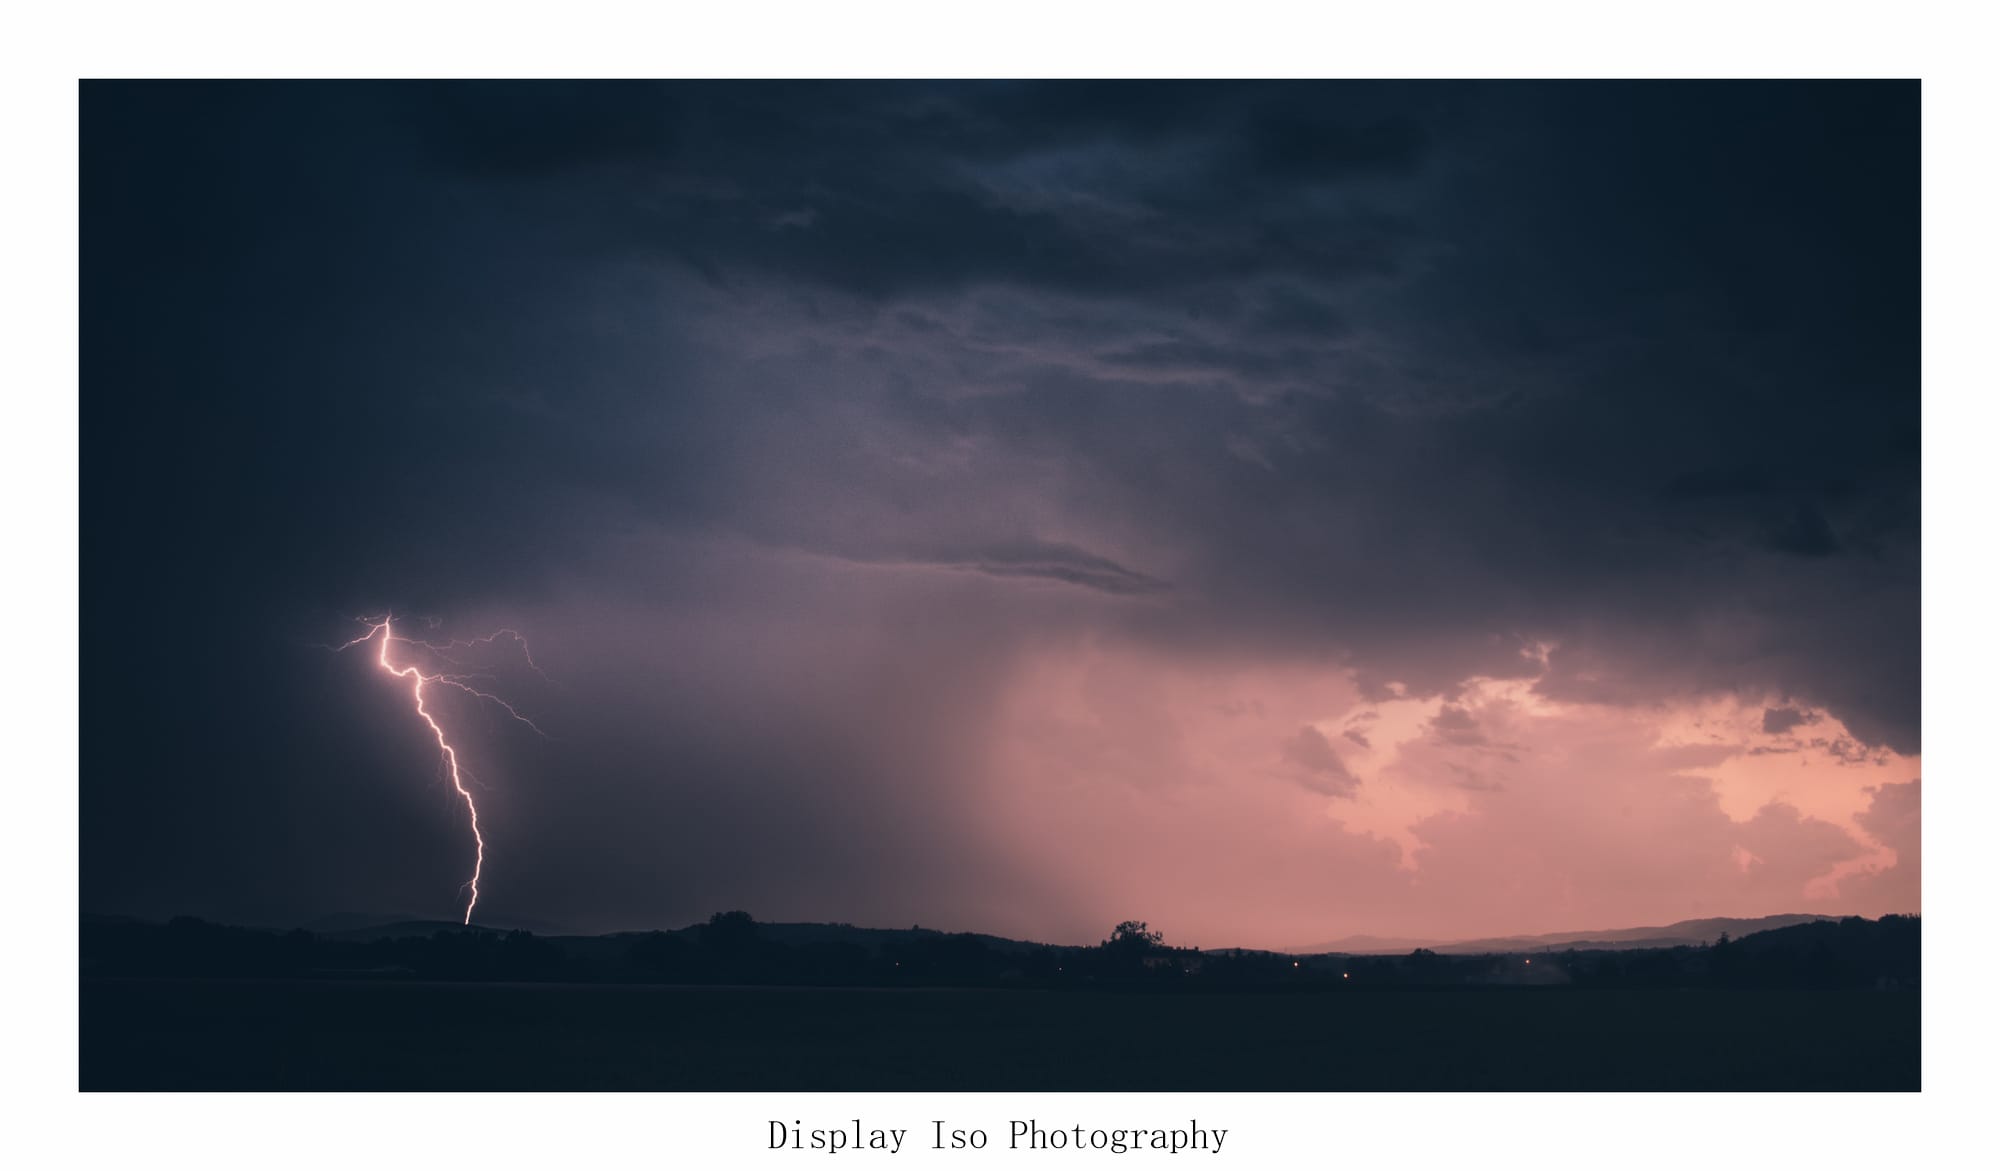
(1686, 933)
(361, 928)
(398, 924)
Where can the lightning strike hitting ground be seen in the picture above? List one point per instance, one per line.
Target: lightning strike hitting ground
(419, 679)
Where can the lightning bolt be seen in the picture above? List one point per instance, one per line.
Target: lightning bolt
(419, 680)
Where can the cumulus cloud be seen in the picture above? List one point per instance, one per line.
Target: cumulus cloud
(1894, 819)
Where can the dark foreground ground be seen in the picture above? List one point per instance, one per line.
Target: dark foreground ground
(305, 1034)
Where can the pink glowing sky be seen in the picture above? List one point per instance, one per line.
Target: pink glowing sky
(1267, 803)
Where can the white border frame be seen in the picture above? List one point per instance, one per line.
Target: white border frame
(48, 47)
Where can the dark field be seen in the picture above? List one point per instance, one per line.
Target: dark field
(304, 1034)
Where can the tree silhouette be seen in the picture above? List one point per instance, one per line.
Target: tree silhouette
(729, 931)
(1131, 939)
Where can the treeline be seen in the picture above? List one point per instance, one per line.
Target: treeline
(188, 947)
(732, 948)
(1848, 953)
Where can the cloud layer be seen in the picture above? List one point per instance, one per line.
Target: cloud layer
(807, 427)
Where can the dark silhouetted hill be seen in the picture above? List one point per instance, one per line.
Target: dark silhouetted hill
(392, 925)
(1687, 933)
(733, 948)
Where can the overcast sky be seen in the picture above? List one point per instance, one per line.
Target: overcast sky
(1270, 511)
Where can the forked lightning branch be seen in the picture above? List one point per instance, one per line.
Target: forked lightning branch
(420, 682)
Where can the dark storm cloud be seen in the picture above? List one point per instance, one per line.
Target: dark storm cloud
(887, 190)
(1054, 562)
(1611, 387)
(1455, 725)
(1318, 766)
(1567, 431)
